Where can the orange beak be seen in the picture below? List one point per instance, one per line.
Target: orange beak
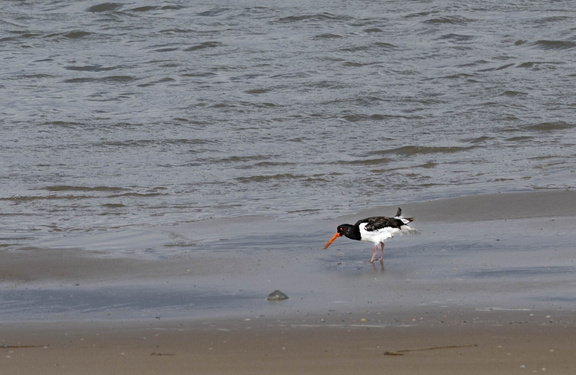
(331, 240)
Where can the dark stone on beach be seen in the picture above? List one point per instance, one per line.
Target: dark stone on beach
(277, 296)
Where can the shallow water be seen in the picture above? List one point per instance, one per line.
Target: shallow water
(119, 114)
(513, 261)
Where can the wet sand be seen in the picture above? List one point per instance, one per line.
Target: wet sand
(487, 288)
(433, 342)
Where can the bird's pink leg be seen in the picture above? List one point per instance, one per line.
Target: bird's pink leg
(374, 253)
(381, 250)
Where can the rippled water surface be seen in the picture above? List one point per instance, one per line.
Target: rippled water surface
(143, 113)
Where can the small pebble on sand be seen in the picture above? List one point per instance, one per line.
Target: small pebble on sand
(277, 296)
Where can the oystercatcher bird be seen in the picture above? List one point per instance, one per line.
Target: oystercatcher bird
(375, 230)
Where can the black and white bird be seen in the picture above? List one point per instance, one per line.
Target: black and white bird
(375, 230)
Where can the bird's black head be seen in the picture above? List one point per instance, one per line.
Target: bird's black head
(349, 231)
(343, 229)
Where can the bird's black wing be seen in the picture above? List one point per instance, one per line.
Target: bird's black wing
(375, 223)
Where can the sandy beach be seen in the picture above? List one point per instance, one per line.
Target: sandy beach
(487, 287)
(432, 342)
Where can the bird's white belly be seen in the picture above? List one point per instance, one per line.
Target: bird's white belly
(377, 236)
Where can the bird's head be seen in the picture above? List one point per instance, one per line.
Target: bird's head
(342, 230)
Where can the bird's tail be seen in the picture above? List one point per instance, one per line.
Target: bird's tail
(405, 220)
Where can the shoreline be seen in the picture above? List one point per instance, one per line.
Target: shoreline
(485, 295)
(484, 261)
